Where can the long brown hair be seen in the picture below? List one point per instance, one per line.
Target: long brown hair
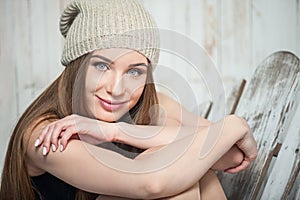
(53, 104)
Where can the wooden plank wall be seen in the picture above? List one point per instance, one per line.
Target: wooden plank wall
(236, 34)
(29, 57)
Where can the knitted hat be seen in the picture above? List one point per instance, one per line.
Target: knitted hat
(88, 25)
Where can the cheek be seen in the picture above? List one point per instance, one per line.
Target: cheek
(93, 81)
(135, 96)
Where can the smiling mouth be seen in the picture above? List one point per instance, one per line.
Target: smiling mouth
(109, 105)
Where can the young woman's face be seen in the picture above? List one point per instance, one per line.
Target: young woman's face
(114, 83)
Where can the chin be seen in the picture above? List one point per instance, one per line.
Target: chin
(109, 117)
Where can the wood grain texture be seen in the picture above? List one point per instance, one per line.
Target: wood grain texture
(205, 109)
(286, 167)
(234, 96)
(31, 43)
(273, 23)
(235, 30)
(8, 86)
(268, 104)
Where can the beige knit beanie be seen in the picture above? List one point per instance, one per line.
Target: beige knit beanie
(88, 25)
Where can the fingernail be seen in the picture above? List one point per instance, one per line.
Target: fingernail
(44, 151)
(37, 142)
(61, 147)
(53, 147)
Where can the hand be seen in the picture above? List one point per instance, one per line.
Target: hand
(246, 144)
(230, 160)
(74, 126)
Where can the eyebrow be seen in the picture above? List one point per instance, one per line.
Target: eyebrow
(111, 62)
(138, 64)
(103, 58)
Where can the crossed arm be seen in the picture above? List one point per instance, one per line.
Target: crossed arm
(153, 183)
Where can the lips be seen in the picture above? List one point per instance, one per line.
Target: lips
(109, 105)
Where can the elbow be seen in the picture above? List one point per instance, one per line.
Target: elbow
(240, 124)
(154, 189)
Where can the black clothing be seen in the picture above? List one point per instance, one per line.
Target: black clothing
(48, 187)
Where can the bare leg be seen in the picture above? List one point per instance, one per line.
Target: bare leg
(208, 188)
(211, 188)
(192, 193)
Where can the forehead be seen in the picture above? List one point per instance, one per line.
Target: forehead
(115, 54)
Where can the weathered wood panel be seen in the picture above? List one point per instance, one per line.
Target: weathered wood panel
(29, 58)
(268, 104)
(205, 109)
(46, 46)
(235, 40)
(21, 43)
(287, 166)
(228, 31)
(234, 96)
(177, 18)
(274, 27)
(8, 87)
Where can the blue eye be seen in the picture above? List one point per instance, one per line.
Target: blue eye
(101, 66)
(134, 72)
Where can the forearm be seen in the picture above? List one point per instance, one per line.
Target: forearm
(155, 136)
(230, 159)
(150, 136)
(195, 159)
(166, 172)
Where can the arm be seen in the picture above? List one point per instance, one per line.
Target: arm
(167, 181)
(174, 120)
(175, 123)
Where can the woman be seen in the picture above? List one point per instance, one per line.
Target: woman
(109, 53)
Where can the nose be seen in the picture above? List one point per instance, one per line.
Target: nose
(115, 85)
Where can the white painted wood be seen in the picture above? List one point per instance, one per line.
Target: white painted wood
(8, 86)
(204, 109)
(235, 28)
(22, 49)
(39, 42)
(234, 96)
(177, 19)
(297, 188)
(210, 20)
(236, 34)
(268, 105)
(274, 27)
(46, 43)
(287, 164)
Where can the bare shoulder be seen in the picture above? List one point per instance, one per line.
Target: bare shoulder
(167, 101)
(37, 163)
(29, 138)
(79, 164)
(34, 154)
(170, 110)
(175, 112)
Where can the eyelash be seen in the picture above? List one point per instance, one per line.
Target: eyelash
(138, 71)
(97, 64)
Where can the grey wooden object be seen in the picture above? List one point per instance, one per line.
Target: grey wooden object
(268, 104)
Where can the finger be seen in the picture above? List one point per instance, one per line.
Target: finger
(232, 170)
(243, 166)
(57, 131)
(47, 140)
(66, 137)
(41, 137)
